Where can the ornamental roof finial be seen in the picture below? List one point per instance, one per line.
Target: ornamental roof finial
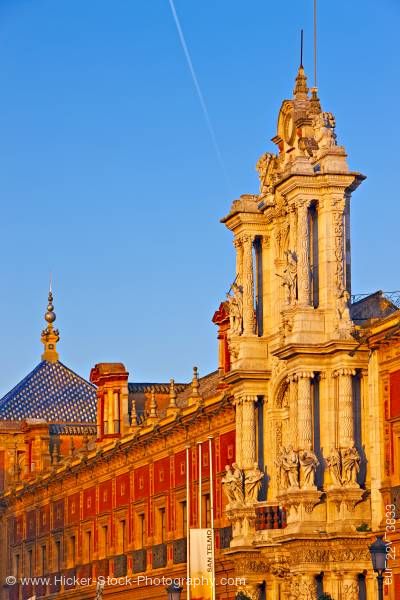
(300, 91)
(50, 336)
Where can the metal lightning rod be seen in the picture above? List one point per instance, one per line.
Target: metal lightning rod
(315, 43)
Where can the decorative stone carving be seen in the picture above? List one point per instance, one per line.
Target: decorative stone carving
(250, 591)
(252, 484)
(233, 485)
(351, 590)
(303, 589)
(342, 305)
(338, 230)
(100, 589)
(267, 172)
(288, 468)
(334, 463)
(235, 309)
(324, 127)
(308, 464)
(350, 466)
(289, 277)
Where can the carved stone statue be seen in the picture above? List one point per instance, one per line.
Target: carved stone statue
(252, 484)
(350, 466)
(235, 309)
(324, 126)
(334, 463)
(309, 463)
(233, 484)
(288, 465)
(99, 589)
(290, 276)
(343, 306)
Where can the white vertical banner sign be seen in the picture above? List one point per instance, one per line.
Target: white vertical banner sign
(202, 564)
(201, 553)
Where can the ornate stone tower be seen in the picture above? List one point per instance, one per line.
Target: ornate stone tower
(297, 370)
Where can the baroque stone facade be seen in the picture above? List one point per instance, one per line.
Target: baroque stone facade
(303, 413)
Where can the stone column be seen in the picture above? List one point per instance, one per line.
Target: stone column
(304, 410)
(345, 407)
(238, 429)
(248, 286)
(303, 255)
(237, 242)
(248, 438)
(292, 380)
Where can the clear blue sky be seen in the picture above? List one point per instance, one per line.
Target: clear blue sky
(108, 177)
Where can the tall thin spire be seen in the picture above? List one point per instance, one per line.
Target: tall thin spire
(50, 335)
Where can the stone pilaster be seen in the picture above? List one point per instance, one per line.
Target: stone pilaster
(303, 255)
(248, 437)
(304, 403)
(338, 206)
(345, 407)
(248, 286)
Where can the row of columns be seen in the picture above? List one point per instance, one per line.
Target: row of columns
(299, 236)
(301, 415)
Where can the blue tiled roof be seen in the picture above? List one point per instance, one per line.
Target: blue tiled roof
(51, 392)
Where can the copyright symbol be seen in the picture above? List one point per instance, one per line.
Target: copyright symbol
(11, 580)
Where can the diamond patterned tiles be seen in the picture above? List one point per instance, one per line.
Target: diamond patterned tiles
(51, 392)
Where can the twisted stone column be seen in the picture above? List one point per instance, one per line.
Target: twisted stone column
(237, 242)
(345, 406)
(292, 381)
(248, 437)
(303, 255)
(304, 408)
(248, 286)
(238, 429)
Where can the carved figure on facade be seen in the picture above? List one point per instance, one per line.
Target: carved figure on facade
(288, 468)
(233, 484)
(324, 127)
(235, 309)
(303, 590)
(308, 463)
(252, 484)
(350, 466)
(267, 172)
(334, 463)
(99, 589)
(342, 305)
(289, 277)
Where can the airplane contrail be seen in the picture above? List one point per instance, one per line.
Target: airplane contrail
(199, 92)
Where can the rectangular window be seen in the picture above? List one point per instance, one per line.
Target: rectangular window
(88, 548)
(162, 525)
(141, 530)
(116, 412)
(44, 560)
(206, 510)
(72, 551)
(183, 518)
(58, 557)
(30, 563)
(122, 536)
(103, 542)
(17, 566)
